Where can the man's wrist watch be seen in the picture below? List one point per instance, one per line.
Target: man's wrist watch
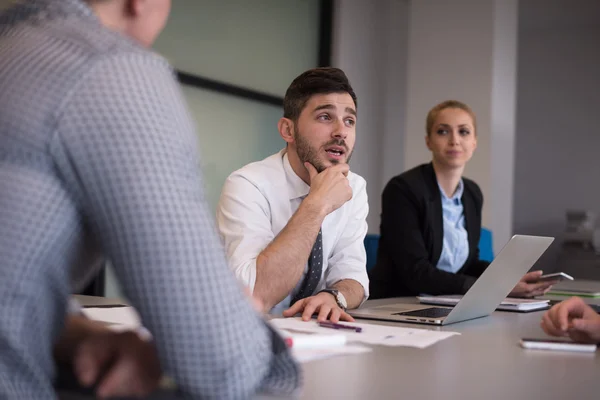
(338, 296)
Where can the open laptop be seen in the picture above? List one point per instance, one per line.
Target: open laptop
(500, 277)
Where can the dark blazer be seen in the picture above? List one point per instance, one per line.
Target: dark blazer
(412, 237)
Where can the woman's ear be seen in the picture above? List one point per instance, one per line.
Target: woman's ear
(286, 129)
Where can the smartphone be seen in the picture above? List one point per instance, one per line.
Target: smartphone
(557, 344)
(559, 276)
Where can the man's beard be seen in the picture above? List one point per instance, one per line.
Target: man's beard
(309, 154)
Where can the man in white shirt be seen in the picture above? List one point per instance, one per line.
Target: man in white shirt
(294, 223)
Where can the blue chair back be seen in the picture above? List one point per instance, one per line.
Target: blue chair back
(486, 248)
(371, 246)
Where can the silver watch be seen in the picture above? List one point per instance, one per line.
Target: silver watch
(339, 298)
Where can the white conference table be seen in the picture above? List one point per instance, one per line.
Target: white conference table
(484, 362)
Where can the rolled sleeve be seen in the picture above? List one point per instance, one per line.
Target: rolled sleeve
(349, 258)
(244, 223)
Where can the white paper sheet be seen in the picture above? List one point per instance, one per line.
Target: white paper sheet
(371, 333)
(308, 355)
(126, 316)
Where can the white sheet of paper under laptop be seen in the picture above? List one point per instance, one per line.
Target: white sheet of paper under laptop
(509, 304)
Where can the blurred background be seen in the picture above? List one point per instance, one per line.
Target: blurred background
(528, 68)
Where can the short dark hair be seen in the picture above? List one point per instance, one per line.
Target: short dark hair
(323, 80)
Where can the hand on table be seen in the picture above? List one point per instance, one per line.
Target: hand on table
(323, 303)
(573, 318)
(119, 363)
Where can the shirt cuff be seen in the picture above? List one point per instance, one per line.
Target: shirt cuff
(246, 274)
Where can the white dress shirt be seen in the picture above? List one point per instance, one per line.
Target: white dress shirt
(257, 202)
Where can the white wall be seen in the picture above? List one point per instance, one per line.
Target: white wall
(259, 44)
(405, 56)
(558, 144)
(369, 44)
(466, 50)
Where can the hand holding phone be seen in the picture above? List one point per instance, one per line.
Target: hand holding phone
(555, 344)
(558, 276)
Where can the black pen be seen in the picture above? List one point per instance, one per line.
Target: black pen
(333, 325)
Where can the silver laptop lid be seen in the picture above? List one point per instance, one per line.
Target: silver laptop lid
(500, 277)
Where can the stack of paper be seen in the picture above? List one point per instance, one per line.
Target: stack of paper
(582, 288)
(509, 304)
(315, 346)
(371, 334)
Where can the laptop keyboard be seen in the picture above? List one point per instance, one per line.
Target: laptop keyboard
(433, 312)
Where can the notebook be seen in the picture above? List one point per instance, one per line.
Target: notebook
(580, 287)
(508, 304)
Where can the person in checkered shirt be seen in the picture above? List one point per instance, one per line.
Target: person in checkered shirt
(98, 160)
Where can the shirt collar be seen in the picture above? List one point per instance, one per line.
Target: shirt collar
(296, 186)
(457, 194)
(62, 7)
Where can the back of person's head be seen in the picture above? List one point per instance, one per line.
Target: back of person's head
(434, 112)
(314, 81)
(142, 20)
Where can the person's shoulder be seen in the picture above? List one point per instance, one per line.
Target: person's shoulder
(262, 173)
(414, 179)
(82, 45)
(91, 39)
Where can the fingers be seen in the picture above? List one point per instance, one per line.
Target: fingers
(337, 168)
(335, 314)
(310, 308)
(561, 318)
(322, 305)
(90, 359)
(324, 311)
(341, 168)
(549, 327)
(534, 289)
(135, 372)
(346, 317)
(312, 171)
(118, 382)
(532, 277)
(562, 313)
(295, 309)
(585, 330)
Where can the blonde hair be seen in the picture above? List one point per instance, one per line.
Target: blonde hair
(434, 112)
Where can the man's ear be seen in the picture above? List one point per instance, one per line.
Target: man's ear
(286, 129)
(134, 8)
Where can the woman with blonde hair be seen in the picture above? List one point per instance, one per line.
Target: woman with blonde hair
(431, 218)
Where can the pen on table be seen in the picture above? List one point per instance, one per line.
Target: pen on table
(333, 325)
(105, 306)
